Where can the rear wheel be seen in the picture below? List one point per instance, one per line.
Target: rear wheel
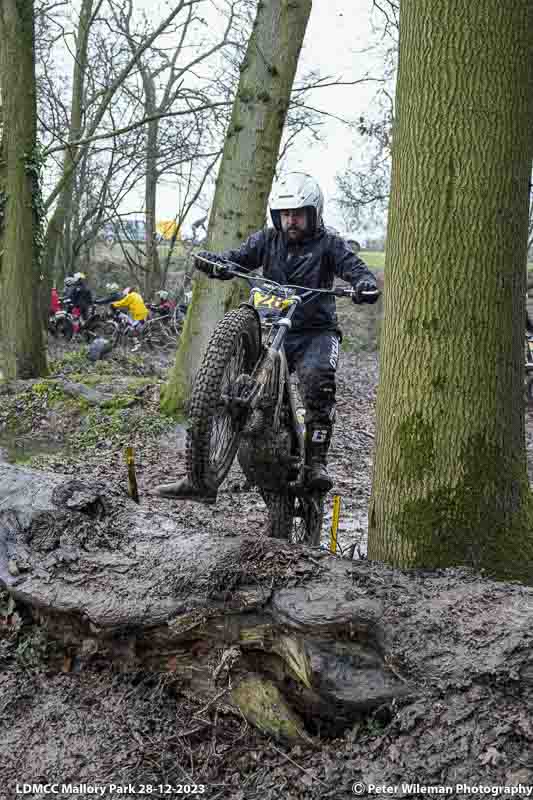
(307, 520)
(296, 519)
(111, 331)
(93, 329)
(156, 334)
(280, 514)
(213, 435)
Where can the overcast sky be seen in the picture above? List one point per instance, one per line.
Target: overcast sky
(337, 42)
(341, 43)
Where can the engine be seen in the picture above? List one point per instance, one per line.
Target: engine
(267, 458)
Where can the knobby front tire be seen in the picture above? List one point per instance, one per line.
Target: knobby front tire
(213, 434)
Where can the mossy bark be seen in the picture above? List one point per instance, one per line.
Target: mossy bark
(450, 483)
(246, 171)
(20, 199)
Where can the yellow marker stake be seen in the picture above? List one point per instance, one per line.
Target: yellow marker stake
(132, 477)
(335, 523)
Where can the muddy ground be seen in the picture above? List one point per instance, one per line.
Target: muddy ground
(105, 727)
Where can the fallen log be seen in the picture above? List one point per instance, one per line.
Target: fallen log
(298, 640)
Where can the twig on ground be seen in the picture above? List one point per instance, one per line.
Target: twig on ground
(303, 769)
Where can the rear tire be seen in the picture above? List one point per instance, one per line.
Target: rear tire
(93, 330)
(308, 519)
(280, 514)
(213, 434)
(295, 519)
(111, 331)
(155, 335)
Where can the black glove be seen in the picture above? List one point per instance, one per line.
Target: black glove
(365, 285)
(201, 265)
(219, 271)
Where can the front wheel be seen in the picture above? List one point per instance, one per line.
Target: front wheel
(214, 430)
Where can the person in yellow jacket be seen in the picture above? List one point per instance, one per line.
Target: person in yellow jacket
(133, 304)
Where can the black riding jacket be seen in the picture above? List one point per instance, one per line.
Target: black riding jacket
(81, 296)
(313, 263)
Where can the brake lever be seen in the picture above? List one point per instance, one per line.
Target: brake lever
(345, 292)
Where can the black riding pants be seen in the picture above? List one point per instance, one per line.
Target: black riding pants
(314, 356)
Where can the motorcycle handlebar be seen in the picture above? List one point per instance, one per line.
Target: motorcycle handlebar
(229, 267)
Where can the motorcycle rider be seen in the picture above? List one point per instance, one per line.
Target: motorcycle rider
(80, 295)
(68, 286)
(299, 250)
(133, 304)
(164, 304)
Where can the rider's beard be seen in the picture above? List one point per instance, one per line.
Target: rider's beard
(295, 233)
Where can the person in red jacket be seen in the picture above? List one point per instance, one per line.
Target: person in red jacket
(165, 304)
(55, 304)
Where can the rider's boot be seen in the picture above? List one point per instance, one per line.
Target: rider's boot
(318, 439)
(183, 490)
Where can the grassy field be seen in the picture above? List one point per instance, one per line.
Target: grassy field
(374, 259)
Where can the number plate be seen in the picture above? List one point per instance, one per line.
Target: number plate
(271, 303)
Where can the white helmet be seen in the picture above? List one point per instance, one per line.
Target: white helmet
(111, 287)
(297, 190)
(126, 291)
(79, 276)
(163, 295)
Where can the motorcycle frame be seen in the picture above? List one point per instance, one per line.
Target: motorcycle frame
(272, 363)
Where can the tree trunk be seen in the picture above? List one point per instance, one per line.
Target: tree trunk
(450, 483)
(58, 241)
(246, 171)
(20, 198)
(152, 265)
